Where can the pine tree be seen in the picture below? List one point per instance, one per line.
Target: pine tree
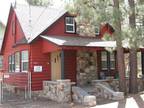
(96, 12)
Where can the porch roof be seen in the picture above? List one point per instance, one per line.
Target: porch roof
(79, 41)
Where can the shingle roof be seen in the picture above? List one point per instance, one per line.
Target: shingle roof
(40, 17)
(79, 41)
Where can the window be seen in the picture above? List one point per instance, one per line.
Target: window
(17, 62)
(13, 63)
(13, 28)
(112, 60)
(104, 60)
(10, 64)
(97, 30)
(70, 25)
(107, 60)
(24, 61)
(1, 62)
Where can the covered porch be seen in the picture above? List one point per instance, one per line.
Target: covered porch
(81, 59)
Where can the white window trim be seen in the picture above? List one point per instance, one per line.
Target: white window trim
(67, 24)
(22, 61)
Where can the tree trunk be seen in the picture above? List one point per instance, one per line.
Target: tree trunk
(120, 50)
(133, 88)
(121, 69)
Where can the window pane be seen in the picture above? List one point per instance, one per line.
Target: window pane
(104, 60)
(69, 28)
(10, 66)
(112, 64)
(24, 55)
(24, 61)
(104, 64)
(97, 30)
(17, 62)
(112, 60)
(25, 66)
(69, 20)
(13, 63)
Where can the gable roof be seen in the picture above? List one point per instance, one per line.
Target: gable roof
(34, 19)
(79, 41)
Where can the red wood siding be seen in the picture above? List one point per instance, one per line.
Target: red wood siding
(58, 28)
(19, 80)
(38, 58)
(9, 49)
(70, 64)
(49, 47)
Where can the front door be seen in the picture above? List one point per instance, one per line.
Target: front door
(55, 65)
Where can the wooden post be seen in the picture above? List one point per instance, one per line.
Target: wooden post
(62, 64)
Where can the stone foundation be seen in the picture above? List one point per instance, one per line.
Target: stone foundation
(86, 67)
(114, 83)
(59, 91)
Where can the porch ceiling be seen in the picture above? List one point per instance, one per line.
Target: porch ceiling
(79, 41)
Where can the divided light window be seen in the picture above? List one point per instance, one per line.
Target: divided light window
(112, 60)
(70, 24)
(24, 61)
(107, 58)
(17, 62)
(104, 60)
(10, 63)
(13, 63)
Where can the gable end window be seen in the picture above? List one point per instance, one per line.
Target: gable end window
(13, 28)
(70, 24)
(97, 30)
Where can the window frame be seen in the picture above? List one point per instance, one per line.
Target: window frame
(9, 63)
(73, 25)
(106, 60)
(19, 59)
(24, 61)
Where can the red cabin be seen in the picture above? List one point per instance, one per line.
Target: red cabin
(47, 45)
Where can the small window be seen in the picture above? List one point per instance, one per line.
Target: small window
(24, 61)
(97, 30)
(70, 25)
(17, 62)
(13, 28)
(104, 60)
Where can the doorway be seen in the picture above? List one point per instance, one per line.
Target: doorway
(55, 65)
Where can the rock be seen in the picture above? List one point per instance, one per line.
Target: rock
(89, 100)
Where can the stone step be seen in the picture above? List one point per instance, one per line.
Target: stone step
(81, 96)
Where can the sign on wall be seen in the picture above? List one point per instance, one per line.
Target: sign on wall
(37, 68)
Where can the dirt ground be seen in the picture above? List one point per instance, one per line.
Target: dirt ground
(131, 101)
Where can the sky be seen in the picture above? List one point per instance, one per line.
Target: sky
(5, 6)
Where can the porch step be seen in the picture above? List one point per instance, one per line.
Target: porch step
(81, 96)
(106, 92)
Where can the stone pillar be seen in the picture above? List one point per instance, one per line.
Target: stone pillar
(64, 90)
